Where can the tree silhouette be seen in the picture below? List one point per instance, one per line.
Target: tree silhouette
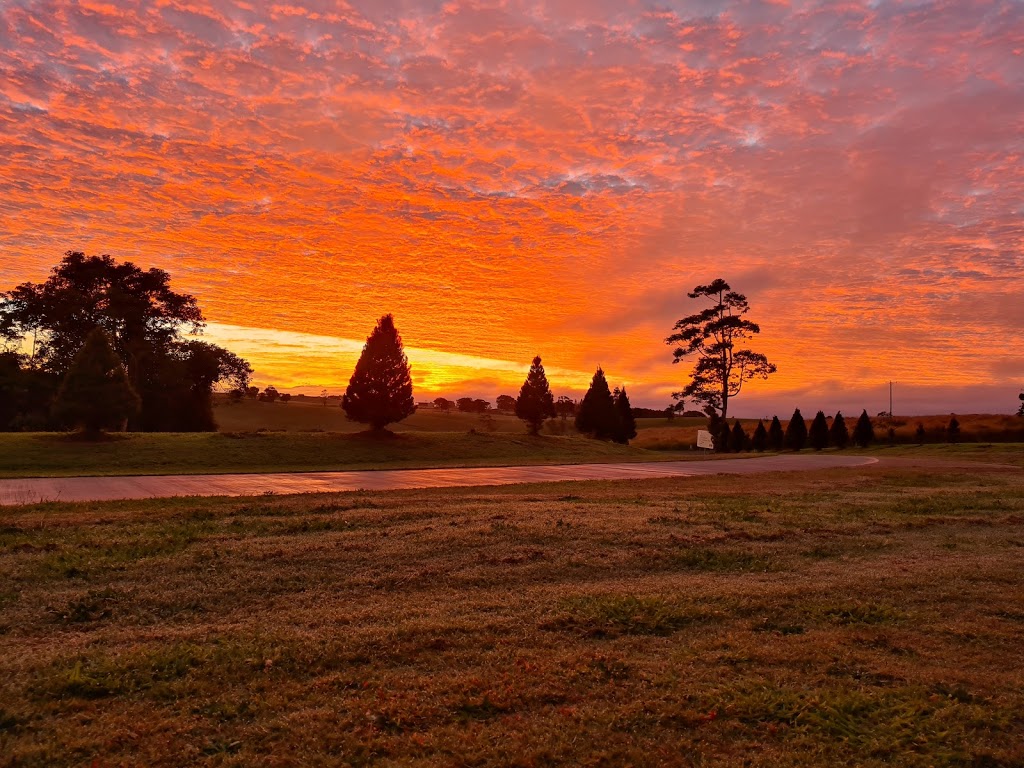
(96, 394)
(565, 407)
(380, 390)
(864, 431)
(819, 432)
(626, 423)
(1020, 411)
(839, 435)
(535, 402)
(146, 323)
(738, 439)
(760, 439)
(919, 433)
(443, 404)
(596, 415)
(776, 437)
(713, 334)
(796, 432)
(506, 403)
(953, 430)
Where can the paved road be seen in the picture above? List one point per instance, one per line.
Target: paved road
(32, 490)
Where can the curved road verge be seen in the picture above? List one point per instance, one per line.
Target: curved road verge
(42, 489)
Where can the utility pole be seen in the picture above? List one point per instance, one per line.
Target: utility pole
(890, 399)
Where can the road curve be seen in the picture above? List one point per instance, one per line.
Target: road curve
(40, 489)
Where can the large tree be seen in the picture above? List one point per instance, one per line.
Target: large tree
(796, 431)
(95, 394)
(819, 432)
(716, 335)
(146, 323)
(380, 390)
(596, 415)
(535, 402)
(626, 426)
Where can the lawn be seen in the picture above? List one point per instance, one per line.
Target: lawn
(51, 455)
(869, 617)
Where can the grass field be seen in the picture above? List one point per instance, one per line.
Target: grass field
(869, 617)
(50, 455)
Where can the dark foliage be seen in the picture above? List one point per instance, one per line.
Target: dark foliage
(722, 437)
(597, 416)
(625, 429)
(776, 437)
(444, 404)
(145, 322)
(953, 430)
(26, 394)
(505, 403)
(818, 435)
(95, 394)
(839, 435)
(864, 431)
(796, 432)
(919, 433)
(714, 335)
(380, 390)
(471, 405)
(738, 439)
(759, 441)
(535, 402)
(565, 407)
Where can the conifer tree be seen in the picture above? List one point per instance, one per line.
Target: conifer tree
(738, 440)
(819, 432)
(919, 433)
(535, 402)
(597, 416)
(723, 437)
(626, 426)
(953, 430)
(380, 390)
(96, 394)
(864, 431)
(796, 432)
(776, 437)
(839, 435)
(760, 439)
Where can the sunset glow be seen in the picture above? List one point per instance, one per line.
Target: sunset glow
(519, 178)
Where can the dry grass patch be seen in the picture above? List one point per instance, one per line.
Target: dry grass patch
(866, 617)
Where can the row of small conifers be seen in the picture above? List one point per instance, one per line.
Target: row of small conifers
(796, 436)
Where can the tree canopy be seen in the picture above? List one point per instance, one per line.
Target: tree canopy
(380, 390)
(819, 432)
(863, 430)
(625, 428)
(535, 402)
(596, 415)
(796, 431)
(145, 322)
(714, 335)
(95, 394)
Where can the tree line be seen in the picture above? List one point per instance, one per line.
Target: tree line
(107, 348)
(380, 393)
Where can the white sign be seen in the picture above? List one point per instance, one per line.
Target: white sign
(704, 440)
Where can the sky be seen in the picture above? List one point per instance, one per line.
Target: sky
(518, 178)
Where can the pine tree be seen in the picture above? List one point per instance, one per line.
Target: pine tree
(839, 435)
(796, 432)
(760, 439)
(819, 432)
(776, 437)
(597, 416)
(919, 433)
(738, 440)
(626, 424)
(864, 431)
(723, 437)
(380, 390)
(535, 402)
(953, 430)
(96, 394)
